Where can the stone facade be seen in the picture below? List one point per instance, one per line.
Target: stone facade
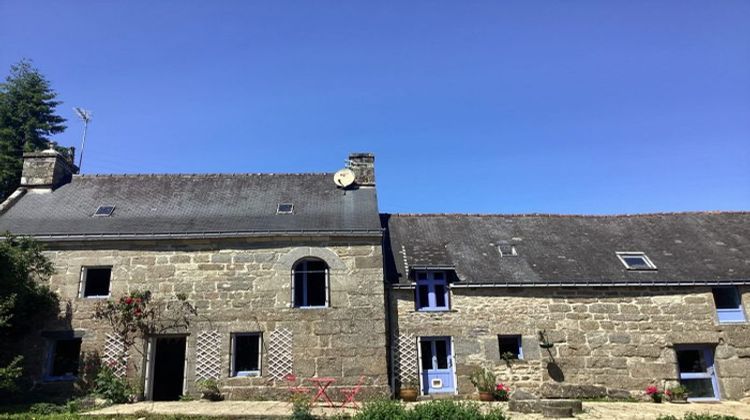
(242, 286)
(607, 341)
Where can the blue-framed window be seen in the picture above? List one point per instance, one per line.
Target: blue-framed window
(510, 346)
(432, 292)
(63, 359)
(246, 354)
(728, 305)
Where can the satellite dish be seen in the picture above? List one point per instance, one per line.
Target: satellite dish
(344, 178)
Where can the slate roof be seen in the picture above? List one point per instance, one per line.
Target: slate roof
(687, 248)
(194, 206)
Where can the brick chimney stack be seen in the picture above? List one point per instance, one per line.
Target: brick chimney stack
(47, 169)
(363, 165)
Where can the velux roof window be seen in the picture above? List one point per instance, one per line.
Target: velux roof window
(104, 211)
(285, 208)
(637, 261)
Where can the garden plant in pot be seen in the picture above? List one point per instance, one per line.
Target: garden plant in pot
(210, 390)
(484, 381)
(677, 394)
(409, 389)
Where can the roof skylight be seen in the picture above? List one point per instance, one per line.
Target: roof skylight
(636, 261)
(285, 208)
(104, 211)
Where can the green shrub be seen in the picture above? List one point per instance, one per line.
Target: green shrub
(382, 409)
(111, 387)
(301, 407)
(45, 409)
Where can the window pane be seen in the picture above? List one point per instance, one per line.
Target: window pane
(423, 291)
(699, 388)
(441, 351)
(316, 265)
(65, 359)
(509, 344)
(440, 296)
(246, 350)
(298, 288)
(635, 262)
(426, 355)
(726, 298)
(97, 281)
(438, 275)
(691, 361)
(316, 289)
(421, 275)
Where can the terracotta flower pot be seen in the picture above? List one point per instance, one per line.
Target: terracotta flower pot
(486, 396)
(408, 394)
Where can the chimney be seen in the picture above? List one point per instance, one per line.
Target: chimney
(47, 169)
(363, 165)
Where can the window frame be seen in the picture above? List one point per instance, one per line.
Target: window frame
(734, 315)
(305, 284)
(431, 284)
(50, 362)
(84, 279)
(519, 345)
(233, 373)
(290, 211)
(621, 255)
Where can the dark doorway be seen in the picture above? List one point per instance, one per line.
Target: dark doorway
(169, 368)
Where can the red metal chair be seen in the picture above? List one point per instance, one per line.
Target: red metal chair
(292, 386)
(351, 393)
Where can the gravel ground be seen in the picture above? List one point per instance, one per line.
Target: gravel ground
(274, 409)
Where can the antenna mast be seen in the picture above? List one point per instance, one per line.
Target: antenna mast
(85, 116)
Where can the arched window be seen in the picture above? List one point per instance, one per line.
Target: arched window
(310, 283)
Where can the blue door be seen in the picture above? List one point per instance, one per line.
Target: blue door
(697, 372)
(437, 365)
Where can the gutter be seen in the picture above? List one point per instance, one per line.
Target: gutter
(201, 235)
(741, 282)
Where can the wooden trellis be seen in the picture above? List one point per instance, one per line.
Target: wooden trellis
(208, 355)
(280, 360)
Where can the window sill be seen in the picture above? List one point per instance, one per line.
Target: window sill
(248, 374)
(311, 307)
(95, 297)
(432, 311)
(60, 378)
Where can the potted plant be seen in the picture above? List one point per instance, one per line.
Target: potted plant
(210, 390)
(653, 392)
(484, 381)
(677, 394)
(409, 389)
(501, 392)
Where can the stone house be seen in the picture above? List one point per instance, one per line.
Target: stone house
(571, 306)
(291, 273)
(285, 271)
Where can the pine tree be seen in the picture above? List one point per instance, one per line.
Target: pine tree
(27, 119)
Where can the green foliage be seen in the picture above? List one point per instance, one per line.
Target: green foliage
(44, 408)
(25, 301)
(111, 387)
(696, 416)
(27, 119)
(483, 380)
(440, 409)
(301, 407)
(210, 390)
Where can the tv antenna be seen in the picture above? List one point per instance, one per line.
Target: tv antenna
(85, 116)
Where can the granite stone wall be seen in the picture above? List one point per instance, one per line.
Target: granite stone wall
(607, 341)
(242, 287)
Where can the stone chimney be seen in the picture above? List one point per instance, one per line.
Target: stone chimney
(363, 165)
(47, 169)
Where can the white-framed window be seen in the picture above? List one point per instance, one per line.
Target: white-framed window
(310, 283)
(728, 305)
(432, 292)
(63, 359)
(510, 346)
(637, 261)
(95, 282)
(246, 354)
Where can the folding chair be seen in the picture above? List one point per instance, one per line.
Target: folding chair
(351, 393)
(291, 380)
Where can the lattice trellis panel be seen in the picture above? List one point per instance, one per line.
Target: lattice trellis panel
(280, 360)
(208, 355)
(405, 353)
(115, 355)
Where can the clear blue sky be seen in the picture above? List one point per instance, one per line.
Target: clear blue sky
(469, 106)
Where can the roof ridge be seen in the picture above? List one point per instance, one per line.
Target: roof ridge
(199, 175)
(551, 215)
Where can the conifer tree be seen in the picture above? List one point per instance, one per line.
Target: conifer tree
(27, 119)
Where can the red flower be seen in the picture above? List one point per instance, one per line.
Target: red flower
(129, 300)
(651, 390)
